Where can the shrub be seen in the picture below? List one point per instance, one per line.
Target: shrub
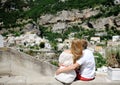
(100, 61)
(54, 63)
(113, 56)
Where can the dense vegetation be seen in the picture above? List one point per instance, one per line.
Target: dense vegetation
(100, 61)
(11, 10)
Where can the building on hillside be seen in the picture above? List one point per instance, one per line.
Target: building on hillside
(95, 40)
(59, 40)
(71, 35)
(111, 43)
(116, 38)
(63, 0)
(100, 50)
(101, 34)
(67, 43)
(116, 2)
(60, 46)
(47, 46)
(1, 41)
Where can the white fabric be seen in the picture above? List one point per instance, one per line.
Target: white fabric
(87, 64)
(66, 59)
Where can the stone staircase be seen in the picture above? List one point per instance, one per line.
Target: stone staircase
(17, 68)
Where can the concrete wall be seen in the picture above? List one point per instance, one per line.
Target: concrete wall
(5, 67)
(17, 63)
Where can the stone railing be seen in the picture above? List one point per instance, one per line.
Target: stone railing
(17, 63)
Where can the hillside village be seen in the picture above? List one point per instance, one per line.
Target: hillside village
(33, 33)
(32, 44)
(52, 33)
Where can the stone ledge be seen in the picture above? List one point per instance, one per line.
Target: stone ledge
(101, 79)
(18, 63)
(22, 80)
(12, 59)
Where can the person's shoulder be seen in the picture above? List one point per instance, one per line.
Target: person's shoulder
(87, 52)
(67, 51)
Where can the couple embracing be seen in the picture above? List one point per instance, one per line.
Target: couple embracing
(76, 63)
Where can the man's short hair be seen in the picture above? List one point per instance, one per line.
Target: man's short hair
(84, 43)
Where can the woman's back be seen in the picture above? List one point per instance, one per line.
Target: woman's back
(66, 59)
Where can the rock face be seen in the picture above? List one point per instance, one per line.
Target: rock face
(65, 19)
(16, 63)
(59, 27)
(117, 21)
(102, 22)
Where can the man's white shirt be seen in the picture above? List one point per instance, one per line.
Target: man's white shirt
(87, 64)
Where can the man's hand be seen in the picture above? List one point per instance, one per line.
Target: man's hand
(67, 69)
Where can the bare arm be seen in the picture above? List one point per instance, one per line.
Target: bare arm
(66, 69)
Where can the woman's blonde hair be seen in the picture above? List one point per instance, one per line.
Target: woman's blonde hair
(76, 49)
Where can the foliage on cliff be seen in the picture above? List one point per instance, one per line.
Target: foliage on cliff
(11, 10)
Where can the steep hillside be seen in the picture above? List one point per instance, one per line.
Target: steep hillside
(12, 10)
(48, 18)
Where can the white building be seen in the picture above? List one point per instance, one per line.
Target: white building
(1, 41)
(60, 46)
(63, 0)
(116, 2)
(95, 40)
(111, 43)
(115, 38)
(67, 43)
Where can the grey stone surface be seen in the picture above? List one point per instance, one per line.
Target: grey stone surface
(22, 80)
(101, 79)
(20, 64)
(17, 68)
